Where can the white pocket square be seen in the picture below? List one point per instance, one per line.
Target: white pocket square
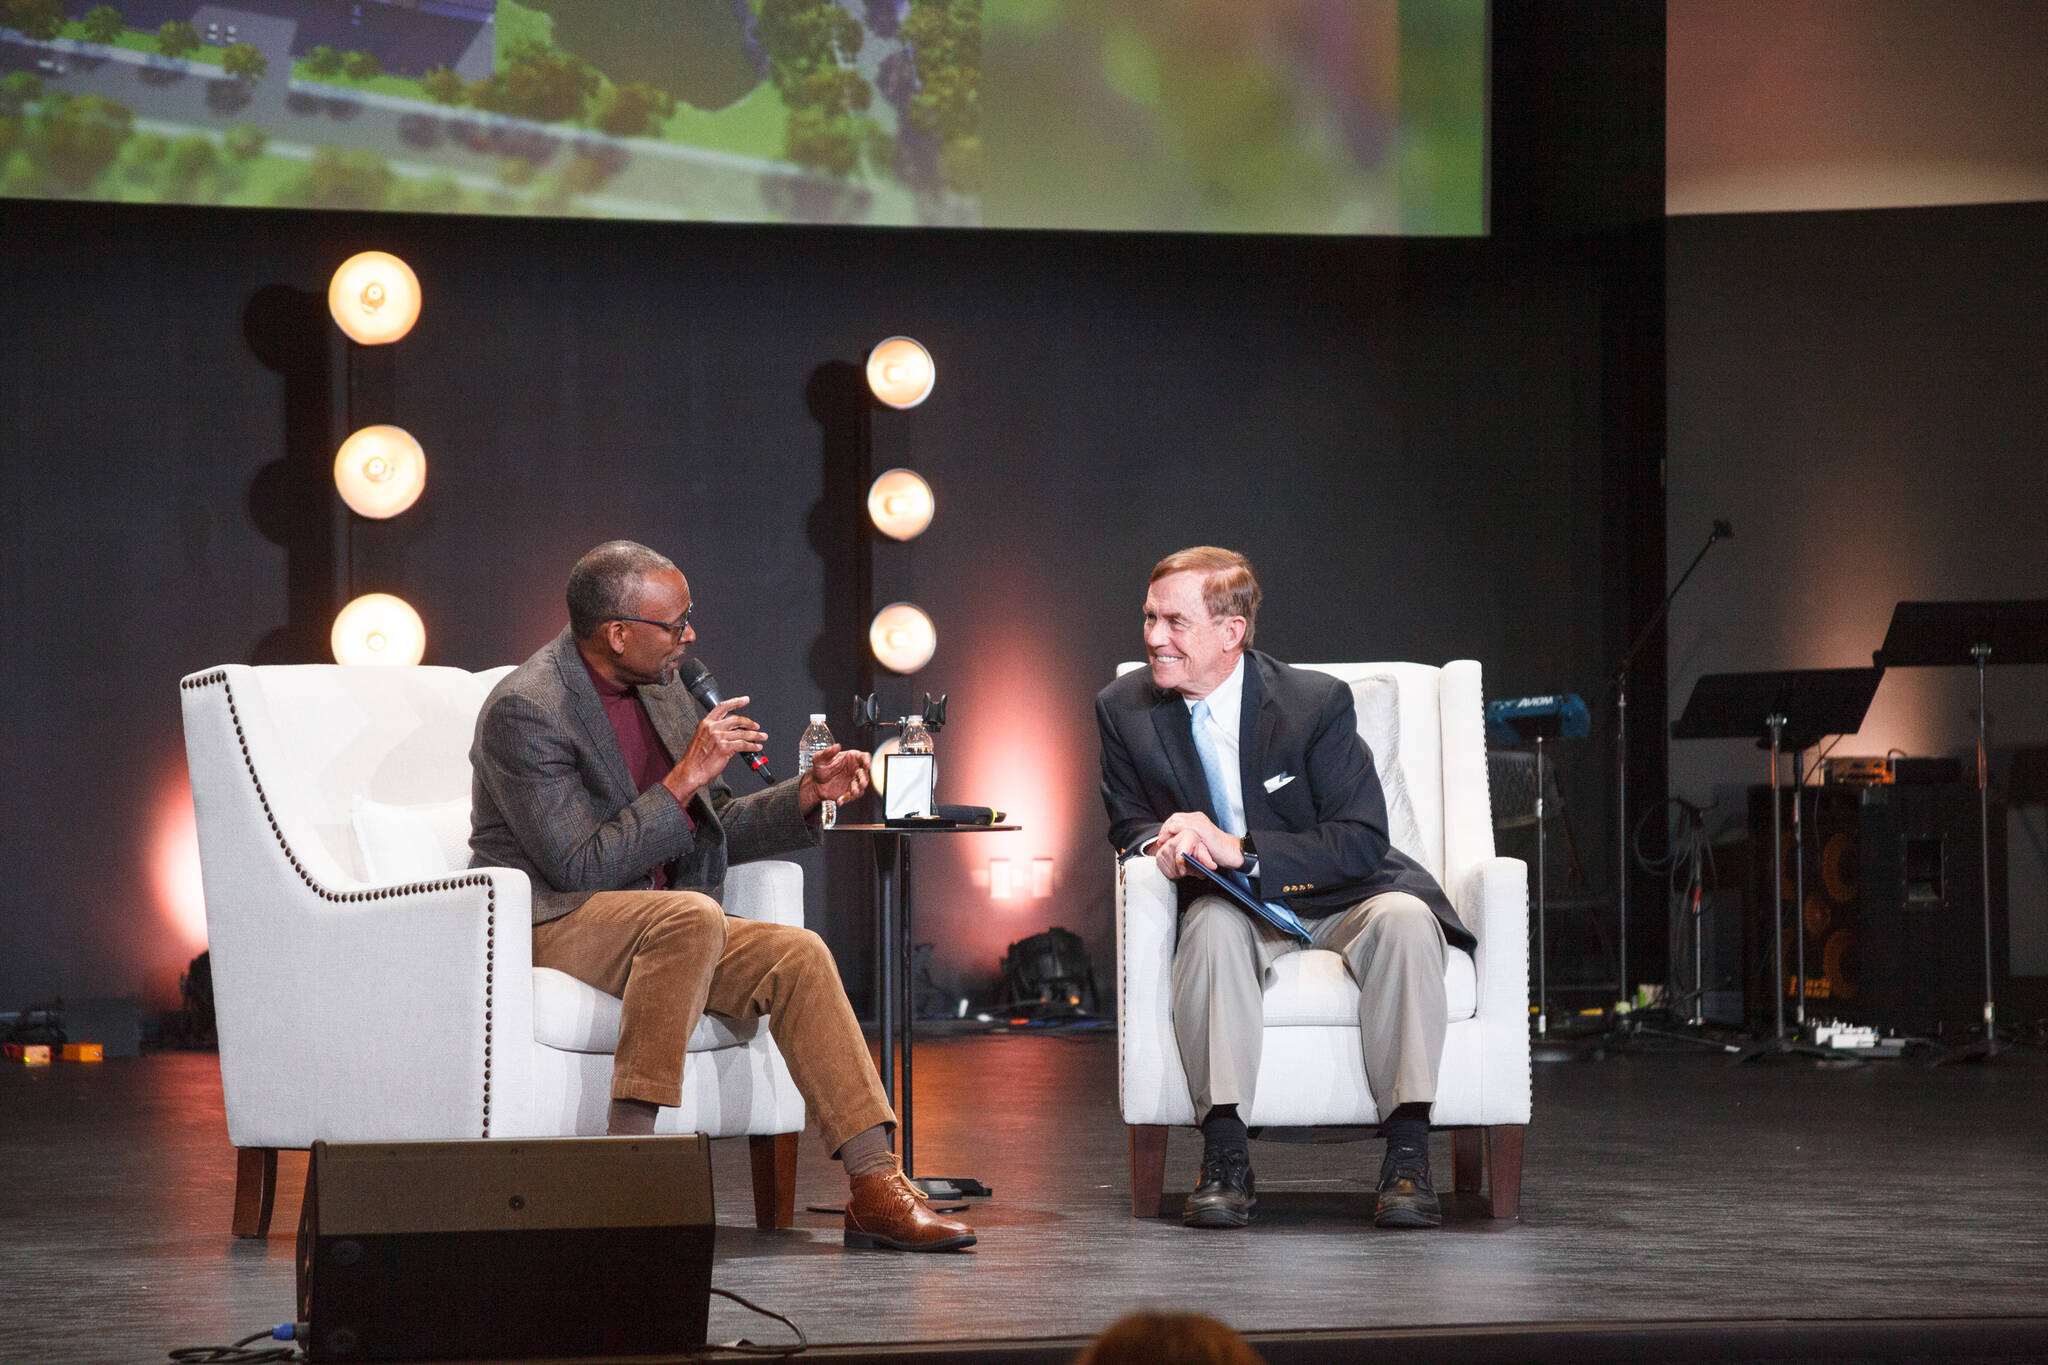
(1277, 781)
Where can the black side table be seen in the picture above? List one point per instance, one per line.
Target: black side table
(895, 986)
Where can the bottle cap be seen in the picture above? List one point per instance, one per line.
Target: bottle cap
(818, 719)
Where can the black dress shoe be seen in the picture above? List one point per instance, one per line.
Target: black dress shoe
(1406, 1199)
(1226, 1197)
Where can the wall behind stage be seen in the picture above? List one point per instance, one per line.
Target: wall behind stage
(1405, 437)
(1861, 394)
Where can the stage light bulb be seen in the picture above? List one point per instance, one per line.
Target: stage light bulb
(380, 471)
(378, 628)
(902, 637)
(374, 297)
(900, 504)
(878, 771)
(900, 372)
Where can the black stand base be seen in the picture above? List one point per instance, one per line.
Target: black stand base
(1791, 1050)
(1983, 1050)
(952, 1187)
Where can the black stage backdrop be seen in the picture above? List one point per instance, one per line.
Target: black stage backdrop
(1430, 449)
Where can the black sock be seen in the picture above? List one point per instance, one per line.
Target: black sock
(1407, 1128)
(1223, 1130)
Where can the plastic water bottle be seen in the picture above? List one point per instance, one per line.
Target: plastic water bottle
(816, 738)
(916, 739)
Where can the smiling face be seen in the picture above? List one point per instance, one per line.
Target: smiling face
(1190, 651)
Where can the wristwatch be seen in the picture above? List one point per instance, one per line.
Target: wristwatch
(1251, 856)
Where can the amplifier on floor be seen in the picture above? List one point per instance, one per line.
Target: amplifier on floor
(1894, 933)
(467, 1250)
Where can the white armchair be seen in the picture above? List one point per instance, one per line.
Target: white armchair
(1425, 727)
(369, 985)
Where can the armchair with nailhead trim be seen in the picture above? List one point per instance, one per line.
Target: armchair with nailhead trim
(369, 985)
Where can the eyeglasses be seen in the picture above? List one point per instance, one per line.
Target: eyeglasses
(675, 628)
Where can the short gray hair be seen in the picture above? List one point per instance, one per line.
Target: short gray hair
(605, 584)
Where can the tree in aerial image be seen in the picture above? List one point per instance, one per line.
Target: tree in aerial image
(946, 36)
(78, 137)
(323, 61)
(538, 83)
(443, 86)
(38, 19)
(103, 24)
(807, 42)
(245, 63)
(176, 38)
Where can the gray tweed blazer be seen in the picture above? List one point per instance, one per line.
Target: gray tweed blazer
(550, 794)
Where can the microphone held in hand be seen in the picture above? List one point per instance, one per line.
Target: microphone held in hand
(704, 688)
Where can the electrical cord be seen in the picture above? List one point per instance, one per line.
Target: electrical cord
(240, 1354)
(748, 1348)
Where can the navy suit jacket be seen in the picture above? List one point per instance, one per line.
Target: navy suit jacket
(1321, 838)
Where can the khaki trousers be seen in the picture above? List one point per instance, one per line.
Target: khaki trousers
(1394, 949)
(673, 955)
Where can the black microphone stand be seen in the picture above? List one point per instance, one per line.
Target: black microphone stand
(1722, 531)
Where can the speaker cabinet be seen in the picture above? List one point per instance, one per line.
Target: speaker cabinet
(506, 1249)
(1893, 923)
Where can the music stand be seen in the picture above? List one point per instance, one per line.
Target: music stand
(1976, 634)
(1790, 709)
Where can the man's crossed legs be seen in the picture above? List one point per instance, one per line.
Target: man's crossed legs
(1394, 949)
(673, 955)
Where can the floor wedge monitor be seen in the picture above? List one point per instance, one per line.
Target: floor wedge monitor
(506, 1249)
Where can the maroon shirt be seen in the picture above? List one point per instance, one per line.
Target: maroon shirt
(647, 758)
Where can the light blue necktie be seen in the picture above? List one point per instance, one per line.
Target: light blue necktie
(1212, 769)
(1219, 790)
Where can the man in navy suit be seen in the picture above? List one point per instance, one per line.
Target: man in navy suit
(1224, 756)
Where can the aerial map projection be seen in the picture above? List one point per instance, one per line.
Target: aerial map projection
(1304, 116)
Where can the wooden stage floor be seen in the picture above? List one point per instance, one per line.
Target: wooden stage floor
(1658, 1188)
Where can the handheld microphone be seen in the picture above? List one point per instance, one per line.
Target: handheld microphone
(704, 688)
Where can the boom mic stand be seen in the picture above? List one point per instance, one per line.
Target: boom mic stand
(1722, 531)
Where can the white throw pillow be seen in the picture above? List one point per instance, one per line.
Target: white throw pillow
(1378, 699)
(411, 843)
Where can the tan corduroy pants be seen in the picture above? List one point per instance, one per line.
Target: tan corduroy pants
(673, 955)
(1394, 948)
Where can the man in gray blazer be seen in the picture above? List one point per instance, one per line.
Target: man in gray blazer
(596, 775)
(1223, 756)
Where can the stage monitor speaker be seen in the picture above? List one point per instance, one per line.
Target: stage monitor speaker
(506, 1249)
(1893, 922)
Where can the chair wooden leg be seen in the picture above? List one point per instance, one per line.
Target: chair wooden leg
(255, 1190)
(1468, 1159)
(774, 1158)
(1504, 1170)
(1148, 1168)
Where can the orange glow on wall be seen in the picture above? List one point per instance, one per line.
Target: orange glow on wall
(174, 865)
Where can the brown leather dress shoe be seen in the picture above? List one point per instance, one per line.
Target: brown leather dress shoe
(885, 1210)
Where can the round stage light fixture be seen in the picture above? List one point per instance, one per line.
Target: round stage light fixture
(900, 504)
(374, 297)
(380, 471)
(902, 637)
(900, 372)
(877, 769)
(378, 628)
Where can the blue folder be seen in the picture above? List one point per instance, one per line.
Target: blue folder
(1238, 887)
